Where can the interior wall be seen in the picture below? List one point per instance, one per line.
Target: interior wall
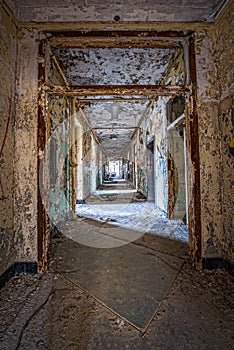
(25, 150)
(176, 158)
(176, 170)
(224, 31)
(161, 173)
(88, 157)
(141, 151)
(214, 60)
(59, 158)
(8, 60)
(79, 162)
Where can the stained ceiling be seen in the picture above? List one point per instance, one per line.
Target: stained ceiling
(114, 119)
(121, 10)
(114, 66)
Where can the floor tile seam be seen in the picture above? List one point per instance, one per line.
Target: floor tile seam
(104, 305)
(167, 294)
(155, 250)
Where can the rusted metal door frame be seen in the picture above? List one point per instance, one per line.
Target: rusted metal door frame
(125, 39)
(43, 224)
(192, 139)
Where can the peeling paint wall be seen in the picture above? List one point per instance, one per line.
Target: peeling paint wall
(59, 158)
(225, 78)
(161, 172)
(214, 53)
(88, 155)
(210, 170)
(214, 62)
(176, 158)
(8, 59)
(25, 150)
(175, 72)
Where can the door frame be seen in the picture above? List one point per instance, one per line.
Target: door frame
(125, 39)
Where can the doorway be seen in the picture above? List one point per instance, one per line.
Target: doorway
(90, 88)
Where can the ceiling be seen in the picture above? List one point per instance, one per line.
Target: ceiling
(121, 10)
(114, 119)
(114, 66)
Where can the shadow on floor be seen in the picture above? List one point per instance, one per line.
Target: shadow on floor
(131, 279)
(52, 312)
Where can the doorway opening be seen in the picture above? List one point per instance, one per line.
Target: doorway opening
(119, 113)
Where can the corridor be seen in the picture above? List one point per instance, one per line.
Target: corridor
(116, 175)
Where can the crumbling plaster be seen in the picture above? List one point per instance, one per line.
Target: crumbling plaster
(97, 10)
(25, 148)
(114, 66)
(59, 146)
(215, 106)
(8, 58)
(224, 58)
(214, 60)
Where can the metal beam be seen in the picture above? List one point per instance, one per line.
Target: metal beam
(139, 34)
(113, 42)
(59, 69)
(89, 125)
(115, 99)
(117, 128)
(144, 115)
(127, 90)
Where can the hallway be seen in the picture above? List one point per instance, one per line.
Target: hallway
(116, 174)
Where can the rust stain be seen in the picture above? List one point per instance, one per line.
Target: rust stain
(122, 33)
(141, 90)
(112, 43)
(195, 210)
(43, 222)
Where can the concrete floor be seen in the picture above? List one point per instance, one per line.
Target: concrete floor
(59, 310)
(52, 312)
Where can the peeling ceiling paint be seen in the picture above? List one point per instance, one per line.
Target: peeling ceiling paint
(114, 66)
(114, 121)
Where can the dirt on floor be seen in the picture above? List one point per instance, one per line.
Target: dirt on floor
(50, 312)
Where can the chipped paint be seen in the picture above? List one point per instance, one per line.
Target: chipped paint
(142, 10)
(209, 119)
(8, 58)
(215, 107)
(25, 148)
(114, 66)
